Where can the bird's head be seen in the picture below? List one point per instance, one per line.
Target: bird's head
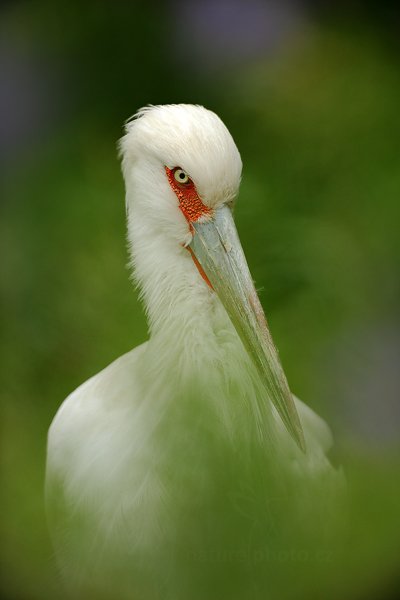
(182, 171)
(182, 164)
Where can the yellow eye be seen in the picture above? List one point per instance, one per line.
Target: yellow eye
(181, 176)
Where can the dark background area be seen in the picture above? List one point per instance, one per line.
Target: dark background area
(311, 94)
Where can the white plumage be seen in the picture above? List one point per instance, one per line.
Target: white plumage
(147, 459)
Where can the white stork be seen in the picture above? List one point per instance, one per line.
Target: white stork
(169, 457)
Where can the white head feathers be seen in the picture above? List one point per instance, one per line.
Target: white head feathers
(187, 136)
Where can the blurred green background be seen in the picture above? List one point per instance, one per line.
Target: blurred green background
(311, 94)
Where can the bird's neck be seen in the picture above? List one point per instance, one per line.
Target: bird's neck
(185, 315)
(194, 351)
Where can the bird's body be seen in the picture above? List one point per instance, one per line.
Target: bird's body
(176, 448)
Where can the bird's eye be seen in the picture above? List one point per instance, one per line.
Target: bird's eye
(181, 176)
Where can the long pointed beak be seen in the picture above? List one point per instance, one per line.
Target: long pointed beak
(217, 247)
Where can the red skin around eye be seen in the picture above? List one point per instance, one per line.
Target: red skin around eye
(189, 200)
(192, 208)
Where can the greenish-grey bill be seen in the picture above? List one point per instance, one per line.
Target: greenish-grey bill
(217, 247)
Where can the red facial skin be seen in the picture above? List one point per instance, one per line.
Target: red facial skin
(200, 268)
(189, 201)
(192, 208)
